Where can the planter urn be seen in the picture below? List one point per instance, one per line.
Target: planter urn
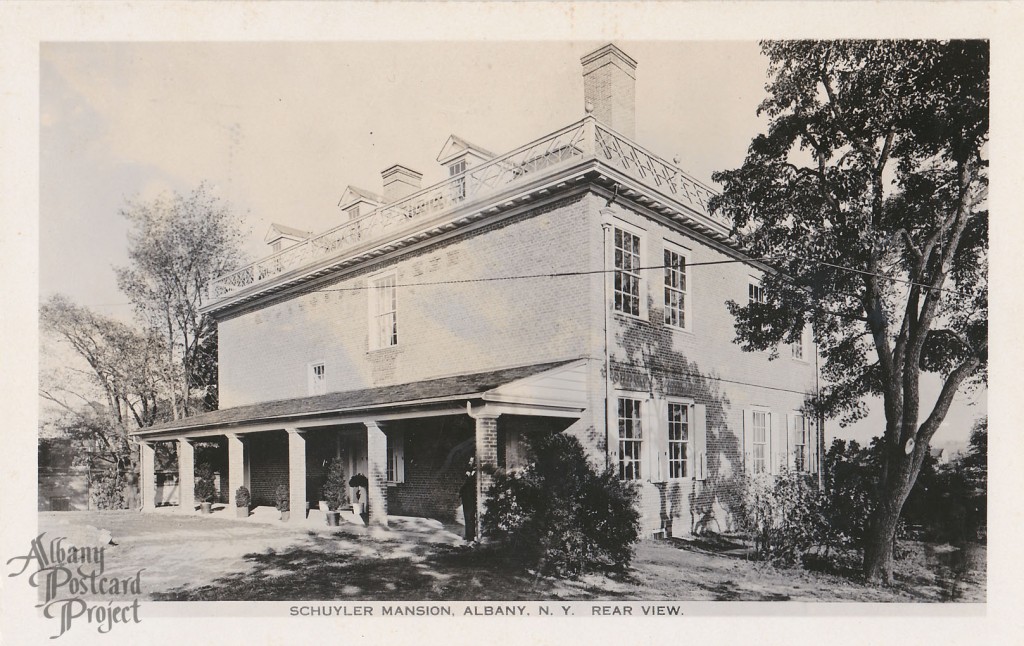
(286, 515)
(243, 512)
(206, 507)
(333, 518)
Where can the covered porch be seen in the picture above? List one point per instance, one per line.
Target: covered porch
(413, 442)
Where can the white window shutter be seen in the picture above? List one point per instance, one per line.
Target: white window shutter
(748, 441)
(653, 440)
(400, 457)
(812, 437)
(699, 425)
(773, 460)
(791, 438)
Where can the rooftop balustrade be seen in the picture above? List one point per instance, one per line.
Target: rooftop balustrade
(586, 140)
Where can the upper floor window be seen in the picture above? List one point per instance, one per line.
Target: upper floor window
(675, 289)
(317, 379)
(760, 441)
(630, 438)
(352, 212)
(275, 247)
(756, 293)
(798, 350)
(627, 272)
(678, 439)
(383, 312)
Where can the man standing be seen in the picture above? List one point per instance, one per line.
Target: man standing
(468, 494)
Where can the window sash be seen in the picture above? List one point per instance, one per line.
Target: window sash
(760, 441)
(318, 379)
(385, 312)
(756, 294)
(801, 459)
(678, 440)
(630, 439)
(675, 289)
(627, 276)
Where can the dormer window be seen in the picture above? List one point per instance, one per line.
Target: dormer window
(352, 212)
(457, 168)
(459, 188)
(276, 247)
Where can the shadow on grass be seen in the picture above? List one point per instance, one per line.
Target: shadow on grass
(381, 571)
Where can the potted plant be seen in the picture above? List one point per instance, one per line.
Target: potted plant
(283, 502)
(334, 491)
(242, 501)
(360, 484)
(204, 489)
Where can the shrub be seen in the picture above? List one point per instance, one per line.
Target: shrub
(334, 490)
(561, 515)
(106, 490)
(281, 496)
(360, 482)
(242, 497)
(783, 514)
(204, 489)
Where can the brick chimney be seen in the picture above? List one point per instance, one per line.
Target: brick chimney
(400, 182)
(609, 88)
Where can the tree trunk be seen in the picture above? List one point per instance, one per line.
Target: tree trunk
(878, 544)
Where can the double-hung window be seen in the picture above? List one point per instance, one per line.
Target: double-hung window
(627, 272)
(630, 438)
(756, 293)
(678, 440)
(760, 441)
(675, 289)
(801, 457)
(317, 379)
(383, 312)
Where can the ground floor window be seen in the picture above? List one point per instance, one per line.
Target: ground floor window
(801, 458)
(760, 441)
(678, 439)
(630, 438)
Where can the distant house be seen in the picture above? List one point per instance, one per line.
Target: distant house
(62, 485)
(565, 286)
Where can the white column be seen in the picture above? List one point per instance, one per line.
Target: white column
(486, 463)
(147, 476)
(236, 464)
(297, 475)
(186, 476)
(377, 467)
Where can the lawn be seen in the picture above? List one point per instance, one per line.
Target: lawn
(196, 558)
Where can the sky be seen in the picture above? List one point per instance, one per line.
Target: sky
(279, 129)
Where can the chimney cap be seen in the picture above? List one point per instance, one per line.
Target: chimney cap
(609, 52)
(399, 169)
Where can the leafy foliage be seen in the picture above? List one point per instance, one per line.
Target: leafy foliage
(242, 497)
(868, 194)
(106, 488)
(783, 514)
(560, 514)
(335, 491)
(281, 498)
(204, 487)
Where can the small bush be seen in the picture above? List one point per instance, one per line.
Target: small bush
(242, 497)
(204, 489)
(281, 497)
(560, 514)
(107, 490)
(335, 491)
(783, 514)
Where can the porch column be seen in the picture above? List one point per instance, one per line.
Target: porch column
(147, 476)
(486, 462)
(297, 475)
(377, 465)
(186, 476)
(236, 464)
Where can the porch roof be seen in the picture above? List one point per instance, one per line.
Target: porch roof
(472, 385)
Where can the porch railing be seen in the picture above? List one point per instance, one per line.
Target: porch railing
(578, 142)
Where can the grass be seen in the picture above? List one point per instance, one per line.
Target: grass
(192, 558)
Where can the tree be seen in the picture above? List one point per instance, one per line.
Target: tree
(121, 392)
(865, 198)
(177, 244)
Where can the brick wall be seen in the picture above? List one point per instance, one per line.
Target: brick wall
(442, 329)
(655, 362)
(268, 457)
(436, 454)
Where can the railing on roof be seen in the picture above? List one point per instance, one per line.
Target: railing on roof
(583, 140)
